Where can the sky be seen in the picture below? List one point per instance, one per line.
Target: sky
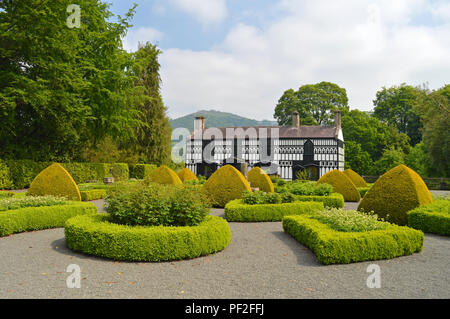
(240, 56)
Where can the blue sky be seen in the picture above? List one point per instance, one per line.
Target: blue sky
(241, 55)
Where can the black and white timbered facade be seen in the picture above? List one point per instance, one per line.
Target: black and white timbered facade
(282, 150)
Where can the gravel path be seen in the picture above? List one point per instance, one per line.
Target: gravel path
(260, 262)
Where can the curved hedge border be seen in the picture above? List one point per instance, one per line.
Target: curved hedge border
(335, 200)
(37, 218)
(432, 218)
(335, 247)
(236, 211)
(94, 235)
(92, 194)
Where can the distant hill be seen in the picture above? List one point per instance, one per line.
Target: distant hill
(217, 119)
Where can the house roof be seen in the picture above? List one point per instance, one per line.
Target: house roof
(267, 131)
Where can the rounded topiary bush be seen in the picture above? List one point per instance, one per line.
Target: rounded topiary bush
(55, 180)
(225, 184)
(341, 184)
(187, 175)
(355, 178)
(163, 175)
(258, 178)
(395, 193)
(96, 235)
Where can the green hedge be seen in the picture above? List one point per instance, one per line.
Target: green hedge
(93, 194)
(432, 218)
(334, 200)
(94, 235)
(140, 171)
(236, 211)
(363, 190)
(6, 194)
(335, 247)
(22, 172)
(37, 218)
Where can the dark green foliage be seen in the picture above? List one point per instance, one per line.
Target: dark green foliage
(314, 102)
(237, 211)
(95, 235)
(337, 247)
(391, 158)
(157, 204)
(140, 171)
(363, 190)
(92, 194)
(431, 218)
(37, 218)
(61, 88)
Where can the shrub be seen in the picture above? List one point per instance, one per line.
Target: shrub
(163, 175)
(395, 193)
(6, 194)
(30, 201)
(258, 178)
(140, 171)
(156, 205)
(186, 175)
(5, 176)
(305, 188)
(335, 200)
(355, 178)
(92, 194)
(363, 190)
(45, 217)
(341, 184)
(95, 235)
(340, 247)
(237, 211)
(431, 218)
(55, 180)
(225, 184)
(349, 220)
(92, 186)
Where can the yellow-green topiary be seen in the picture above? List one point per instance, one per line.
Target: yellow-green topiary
(164, 175)
(55, 180)
(395, 193)
(341, 184)
(355, 178)
(225, 184)
(187, 175)
(258, 178)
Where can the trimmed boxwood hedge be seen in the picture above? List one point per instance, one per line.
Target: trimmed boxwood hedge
(95, 235)
(236, 211)
(335, 247)
(93, 194)
(432, 218)
(37, 218)
(334, 200)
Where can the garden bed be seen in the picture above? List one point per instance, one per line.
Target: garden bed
(332, 246)
(237, 211)
(334, 200)
(432, 218)
(95, 235)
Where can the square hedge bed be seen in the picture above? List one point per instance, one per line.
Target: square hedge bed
(236, 211)
(432, 218)
(44, 217)
(337, 247)
(334, 200)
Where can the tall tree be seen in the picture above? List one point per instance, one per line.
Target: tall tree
(434, 111)
(314, 102)
(395, 106)
(62, 87)
(153, 138)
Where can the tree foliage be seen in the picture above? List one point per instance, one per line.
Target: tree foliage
(314, 102)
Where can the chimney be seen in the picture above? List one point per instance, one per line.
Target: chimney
(199, 123)
(295, 119)
(337, 119)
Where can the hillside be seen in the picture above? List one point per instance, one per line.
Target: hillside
(217, 119)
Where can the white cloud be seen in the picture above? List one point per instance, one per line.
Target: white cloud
(361, 46)
(205, 11)
(143, 34)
